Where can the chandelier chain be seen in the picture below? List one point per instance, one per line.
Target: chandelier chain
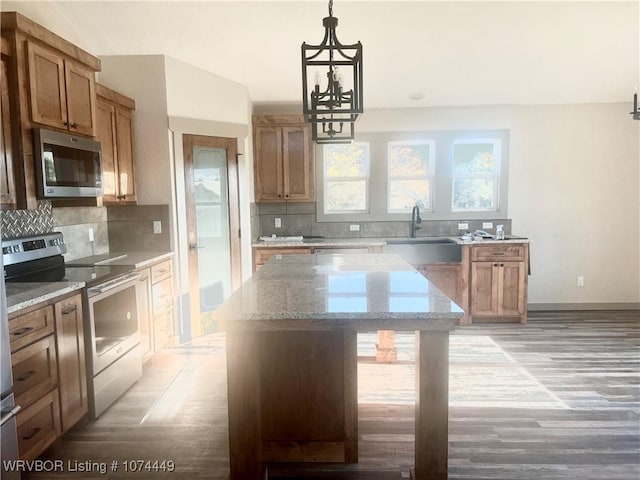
(331, 8)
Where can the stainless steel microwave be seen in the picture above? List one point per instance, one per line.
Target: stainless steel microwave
(67, 165)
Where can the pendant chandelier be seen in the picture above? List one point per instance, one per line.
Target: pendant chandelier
(332, 104)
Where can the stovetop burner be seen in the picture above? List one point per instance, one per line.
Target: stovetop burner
(39, 259)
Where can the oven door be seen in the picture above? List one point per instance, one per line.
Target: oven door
(113, 320)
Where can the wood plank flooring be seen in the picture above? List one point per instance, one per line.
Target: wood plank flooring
(558, 399)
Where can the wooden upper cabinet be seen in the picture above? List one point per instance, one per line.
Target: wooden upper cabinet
(7, 179)
(283, 158)
(62, 92)
(114, 131)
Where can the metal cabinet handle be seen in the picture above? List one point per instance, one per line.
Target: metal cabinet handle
(33, 434)
(69, 309)
(26, 375)
(22, 331)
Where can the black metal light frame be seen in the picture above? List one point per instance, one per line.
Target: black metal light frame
(332, 111)
(636, 112)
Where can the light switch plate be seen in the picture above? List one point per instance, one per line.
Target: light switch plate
(354, 228)
(487, 224)
(278, 222)
(90, 234)
(157, 226)
(463, 226)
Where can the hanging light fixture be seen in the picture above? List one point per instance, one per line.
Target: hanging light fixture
(332, 105)
(636, 112)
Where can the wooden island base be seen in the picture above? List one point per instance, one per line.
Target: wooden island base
(292, 359)
(308, 411)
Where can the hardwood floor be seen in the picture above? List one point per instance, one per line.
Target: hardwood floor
(558, 399)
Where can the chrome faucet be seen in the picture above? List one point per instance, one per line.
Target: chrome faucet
(415, 219)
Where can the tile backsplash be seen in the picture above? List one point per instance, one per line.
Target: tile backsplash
(116, 229)
(22, 223)
(300, 219)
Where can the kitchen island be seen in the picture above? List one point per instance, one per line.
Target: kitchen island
(292, 360)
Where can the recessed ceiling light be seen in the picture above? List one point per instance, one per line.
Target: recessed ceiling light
(416, 96)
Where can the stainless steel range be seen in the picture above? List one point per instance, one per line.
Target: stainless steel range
(110, 300)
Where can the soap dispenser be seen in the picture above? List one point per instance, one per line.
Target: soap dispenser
(499, 232)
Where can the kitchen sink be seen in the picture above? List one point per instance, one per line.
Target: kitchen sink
(421, 251)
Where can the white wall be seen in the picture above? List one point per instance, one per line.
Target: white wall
(574, 187)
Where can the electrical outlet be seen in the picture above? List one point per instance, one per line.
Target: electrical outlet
(278, 222)
(90, 234)
(157, 226)
(463, 226)
(580, 281)
(354, 228)
(487, 224)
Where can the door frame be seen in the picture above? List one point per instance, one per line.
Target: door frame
(190, 141)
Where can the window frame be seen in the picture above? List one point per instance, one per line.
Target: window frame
(442, 188)
(430, 176)
(495, 175)
(326, 180)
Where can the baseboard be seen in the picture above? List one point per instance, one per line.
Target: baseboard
(540, 307)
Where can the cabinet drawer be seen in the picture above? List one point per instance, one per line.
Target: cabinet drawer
(161, 271)
(27, 328)
(38, 426)
(498, 253)
(35, 370)
(262, 255)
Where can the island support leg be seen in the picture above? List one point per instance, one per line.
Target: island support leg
(243, 393)
(432, 405)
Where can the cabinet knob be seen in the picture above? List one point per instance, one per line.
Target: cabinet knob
(495, 264)
(74, 125)
(502, 264)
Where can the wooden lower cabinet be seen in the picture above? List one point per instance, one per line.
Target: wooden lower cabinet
(49, 371)
(162, 304)
(72, 373)
(498, 284)
(446, 277)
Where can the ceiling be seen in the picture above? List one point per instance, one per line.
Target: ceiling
(415, 53)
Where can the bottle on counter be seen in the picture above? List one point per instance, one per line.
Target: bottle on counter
(499, 232)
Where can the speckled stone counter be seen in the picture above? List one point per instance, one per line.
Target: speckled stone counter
(23, 295)
(292, 358)
(136, 259)
(359, 291)
(373, 242)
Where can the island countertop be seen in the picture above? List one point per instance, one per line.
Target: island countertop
(355, 291)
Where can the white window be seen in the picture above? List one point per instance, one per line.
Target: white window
(346, 178)
(475, 175)
(410, 170)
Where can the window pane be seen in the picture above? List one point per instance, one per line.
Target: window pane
(473, 158)
(404, 194)
(473, 194)
(346, 196)
(408, 160)
(349, 160)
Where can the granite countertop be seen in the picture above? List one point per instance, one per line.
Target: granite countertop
(375, 242)
(136, 259)
(23, 295)
(356, 291)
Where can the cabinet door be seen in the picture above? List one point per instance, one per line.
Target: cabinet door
(297, 164)
(124, 145)
(484, 288)
(268, 164)
(71, 361)
(106, 135)
(47, 91)
(81, 98)
(7, 180)
(511, 288)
